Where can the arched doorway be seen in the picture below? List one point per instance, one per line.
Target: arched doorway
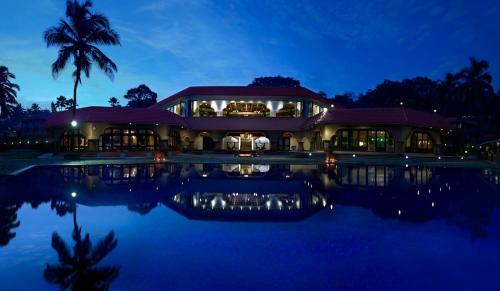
(283, 143)
(208, 143)
(420, 142)
(317, 142)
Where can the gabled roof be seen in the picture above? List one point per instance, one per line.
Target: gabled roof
(379, 116)
(245, 123)
(235, 91)
(116, 115)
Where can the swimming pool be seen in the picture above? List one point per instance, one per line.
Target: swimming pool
(237, 226)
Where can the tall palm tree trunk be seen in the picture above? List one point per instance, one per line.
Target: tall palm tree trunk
(77, 80)
(74, 96)
(75, 224)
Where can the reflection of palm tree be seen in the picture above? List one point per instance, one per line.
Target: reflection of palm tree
(8, 221)
(79, 271)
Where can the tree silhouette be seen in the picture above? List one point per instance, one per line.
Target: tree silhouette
(142, 208)
(35, 108)
(62, 103)
(140, 97)
(77, 38)
(8, 221)
(276, 81)
(8, 93)
(113, 102)
(475, 86)
(79, 270)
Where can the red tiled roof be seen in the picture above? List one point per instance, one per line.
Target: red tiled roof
(236, 91)
(379, 116)
(115, 115)
(245, 123)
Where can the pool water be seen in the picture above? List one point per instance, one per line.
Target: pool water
(241, 227)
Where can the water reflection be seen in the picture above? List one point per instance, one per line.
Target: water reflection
(8, 222)
(77, 269)
(235, 192)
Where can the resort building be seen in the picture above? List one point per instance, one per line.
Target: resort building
(245, 119)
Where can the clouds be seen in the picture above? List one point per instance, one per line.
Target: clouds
(334, 46)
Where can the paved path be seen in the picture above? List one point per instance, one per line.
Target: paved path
(16, 166)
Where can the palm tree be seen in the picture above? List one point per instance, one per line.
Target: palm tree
(8, 92)
(77, 38)
(79, 271)
(475, 84)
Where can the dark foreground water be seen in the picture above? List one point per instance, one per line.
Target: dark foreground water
(241, 227)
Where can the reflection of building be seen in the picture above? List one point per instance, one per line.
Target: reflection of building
(490, 150)
(248, 119)
(466, 198)
(246, 199)
(379, 176)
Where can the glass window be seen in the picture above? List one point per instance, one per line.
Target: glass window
(363, 140)
(72, 141)
(420, 142)
(117, 139)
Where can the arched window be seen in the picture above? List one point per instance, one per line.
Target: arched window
(128, 139)
(72, 141)
(420, 142)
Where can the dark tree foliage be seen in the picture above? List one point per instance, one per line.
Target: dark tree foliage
(345, 100)
(142, 208)
(8, 93)
(419, 93)
(140, 97)
(276, 81)
(77, 37)
(113, 102)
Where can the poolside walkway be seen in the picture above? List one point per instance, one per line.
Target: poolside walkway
(14, 166)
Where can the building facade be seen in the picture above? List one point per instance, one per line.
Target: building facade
(244, 119)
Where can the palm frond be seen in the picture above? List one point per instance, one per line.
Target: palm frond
(57, 274)
(62, 249)
(64, 55)
(103, 275)
(103, 62)
(59, 35)
(103, 36)
(103, 248)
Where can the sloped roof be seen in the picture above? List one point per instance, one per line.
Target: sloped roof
(116, 115)
(379, 116)
(353, 116)
(245, 123)
(235, 91)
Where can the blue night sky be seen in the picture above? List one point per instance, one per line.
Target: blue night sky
(334, 46)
